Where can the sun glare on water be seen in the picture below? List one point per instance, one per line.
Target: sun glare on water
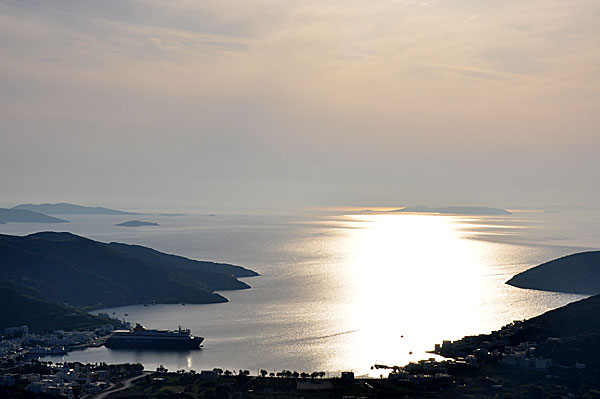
(411, 279)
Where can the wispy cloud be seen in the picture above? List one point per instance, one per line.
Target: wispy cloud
(298, 90)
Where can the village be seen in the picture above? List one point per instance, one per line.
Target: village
(474, 362)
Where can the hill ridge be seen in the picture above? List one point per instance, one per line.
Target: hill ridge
(67, 268)
(65, 208)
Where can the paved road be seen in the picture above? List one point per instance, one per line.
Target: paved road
(113, 387)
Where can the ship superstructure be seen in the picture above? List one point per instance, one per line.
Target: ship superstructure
(153, 339)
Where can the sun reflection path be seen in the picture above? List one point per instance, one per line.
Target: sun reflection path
(413, 277)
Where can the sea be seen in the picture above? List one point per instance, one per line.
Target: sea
(340, 289)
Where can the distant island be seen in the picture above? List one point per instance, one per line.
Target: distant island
(136, 223)
(578, 274)
(26, 216)
(71, 209)
(63, 268)
(456, 210)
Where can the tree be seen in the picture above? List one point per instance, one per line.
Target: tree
(161, 369)
(295, 374)
(264, 373)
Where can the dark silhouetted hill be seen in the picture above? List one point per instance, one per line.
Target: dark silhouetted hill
(71, 209)
(152, 255)
(578, 273)
(19, 309)
(577, 325)
(66, 268)
(27, 216)
(136, 223)
(456, 210)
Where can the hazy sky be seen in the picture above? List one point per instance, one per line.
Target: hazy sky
(182, 104)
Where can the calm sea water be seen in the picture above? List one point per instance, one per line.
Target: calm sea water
(342, 291)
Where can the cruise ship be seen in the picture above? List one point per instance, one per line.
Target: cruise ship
(140, 338)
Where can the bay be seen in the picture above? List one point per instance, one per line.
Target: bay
(342, 290)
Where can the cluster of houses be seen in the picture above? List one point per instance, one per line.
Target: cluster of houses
(18, 347)
(523, 355)
(61, 381)
(473, 352)
(18, 342)
(430, 371)
(496, 347)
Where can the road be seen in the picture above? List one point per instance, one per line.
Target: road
(113, 387)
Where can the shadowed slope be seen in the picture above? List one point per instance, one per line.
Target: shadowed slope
(576, 324)
(39, 315)
(67, 268)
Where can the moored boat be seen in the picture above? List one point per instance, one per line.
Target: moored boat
(141, 338)
(44, 351)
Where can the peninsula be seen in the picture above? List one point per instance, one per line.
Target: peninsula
(577, 273)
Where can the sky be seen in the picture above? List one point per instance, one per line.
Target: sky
(270, 104)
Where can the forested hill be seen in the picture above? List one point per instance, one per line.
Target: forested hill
(66, 268)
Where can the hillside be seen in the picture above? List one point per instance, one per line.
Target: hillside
(70, 209)
(26, 216)
(578, 273)
(578, 327)
(567, 335)
(67, 268)
(41, 315)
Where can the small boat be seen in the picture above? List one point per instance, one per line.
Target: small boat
(39, 351)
